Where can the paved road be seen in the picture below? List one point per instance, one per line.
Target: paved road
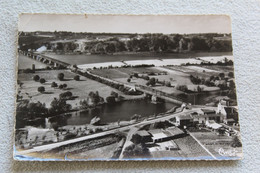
(71, 141)
(127, 143)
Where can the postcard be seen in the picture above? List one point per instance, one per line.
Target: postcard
(125, 87)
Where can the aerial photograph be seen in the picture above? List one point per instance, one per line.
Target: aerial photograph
(125, 87)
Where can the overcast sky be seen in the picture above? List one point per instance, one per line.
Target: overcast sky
(126, 24)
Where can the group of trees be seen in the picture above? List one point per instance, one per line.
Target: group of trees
(66, 95)
(38, 79)
(120, 87)
(135, 43)
(91, 101)
(27, 109)
(59, 106)
(114, 97)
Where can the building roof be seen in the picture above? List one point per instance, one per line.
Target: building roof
(205, 116)
(208, 111)
(230, 109)
(174, 131)
(230, 120)
(185, 117)
(213, 124)
(159, 135)
(194, 113)
(143, 133)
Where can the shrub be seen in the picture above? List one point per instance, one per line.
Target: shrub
(28, 70)
(60, 86)
(66, 95)
(64, 86)
(61, 76)
(168, 84)
(128, 80)
(54, 84)
(42, 80)
(36, 78)
(41, 89)
(236, 142)
(77, 77)
(111, 99)
(113, 93)
(231, 74)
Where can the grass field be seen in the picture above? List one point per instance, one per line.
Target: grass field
(214, 142)
(80, 89)
(188, 147)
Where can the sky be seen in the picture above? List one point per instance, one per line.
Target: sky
(166, 24)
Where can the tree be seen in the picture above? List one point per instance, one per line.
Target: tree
(54, 84)
(151, 82)
(60, 86)
(231, 74)
(61, 76)
(42, 81)
(168, 84)
(128, 80)
(59, 106)
(77, 77)
(67, 95)
(64, 86)
(236, 142)
(41, 89)
(110, 99)
(36, 78)
(221, 75)
(113, 93)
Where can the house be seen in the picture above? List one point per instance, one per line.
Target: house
(184, 120)
(160, 135)
(229, 121)
(141, 137)
(212, 124)
(229, 112)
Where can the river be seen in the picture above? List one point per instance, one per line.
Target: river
(122, 111)
(88, 59)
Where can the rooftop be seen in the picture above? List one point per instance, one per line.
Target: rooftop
(143, 133)
(208, 111)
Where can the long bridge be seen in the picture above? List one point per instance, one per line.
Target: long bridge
(159, 94)
(147, 90)
(45, 59)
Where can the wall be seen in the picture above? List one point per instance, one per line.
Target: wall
(246, 35)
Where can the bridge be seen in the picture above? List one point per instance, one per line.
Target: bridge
(45, 59)
(159, 94)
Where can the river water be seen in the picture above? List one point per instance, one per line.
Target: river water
(88, 59)
(122, 111)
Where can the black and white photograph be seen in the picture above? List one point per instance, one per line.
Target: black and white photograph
(125, 87)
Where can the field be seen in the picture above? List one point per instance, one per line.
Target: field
(188, 148)
(80, 89)
(214, 142)
(176, 75)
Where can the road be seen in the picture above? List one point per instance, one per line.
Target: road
(127, 141)
(112, 131)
